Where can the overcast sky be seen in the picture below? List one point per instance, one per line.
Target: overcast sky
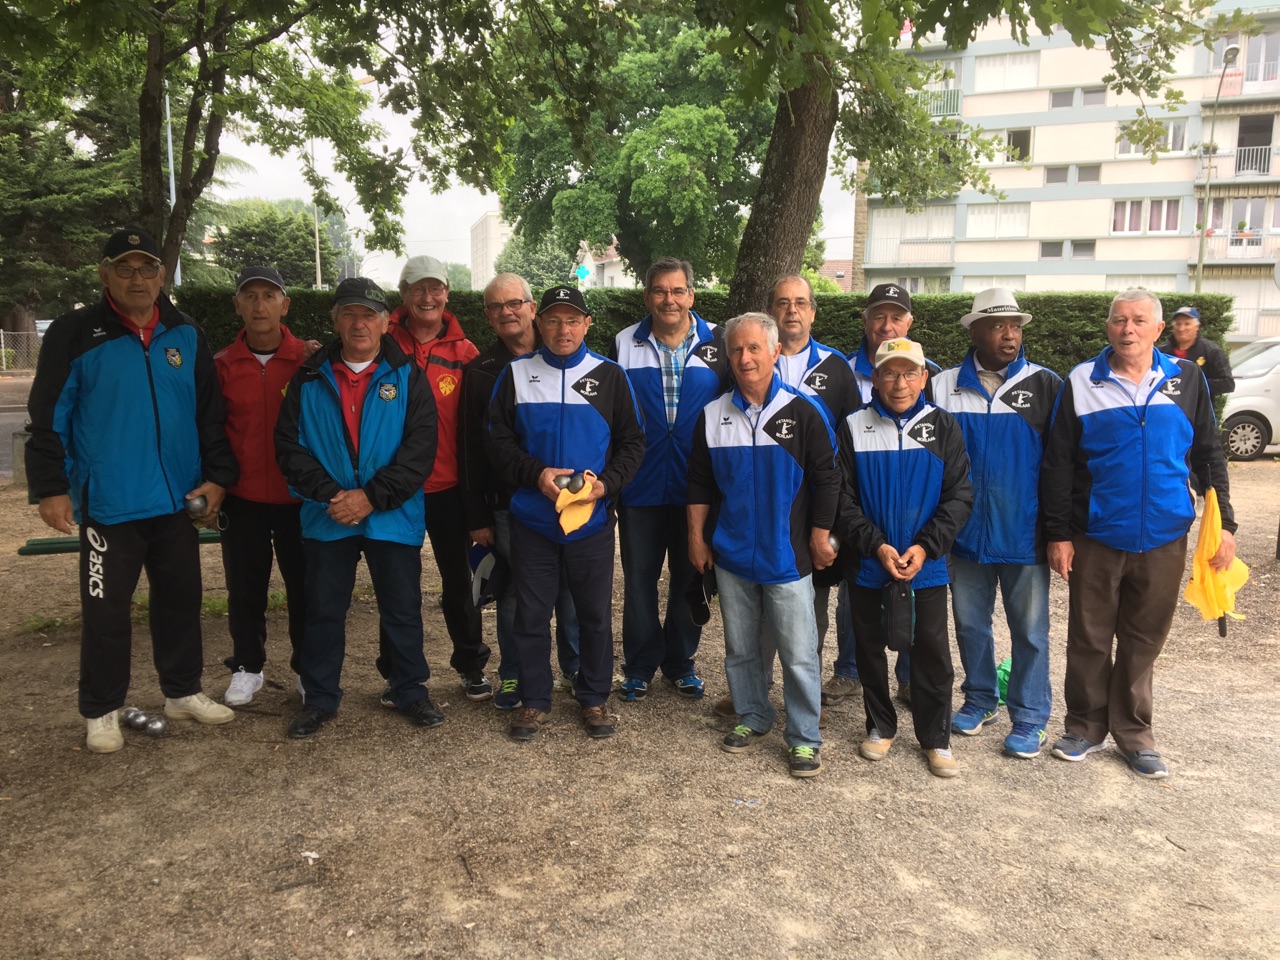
(439, 224)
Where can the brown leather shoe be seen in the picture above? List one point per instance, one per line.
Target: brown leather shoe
(526, 722)
(599, 722)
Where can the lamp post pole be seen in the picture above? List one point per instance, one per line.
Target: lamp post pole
(1228, 58)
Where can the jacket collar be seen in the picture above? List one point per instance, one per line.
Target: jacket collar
(1167, 365)
(888, 414)
(564, 363)
(969, 369)
(740, 401)
(704, 331)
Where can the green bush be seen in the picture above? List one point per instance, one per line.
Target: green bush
(1067, 328)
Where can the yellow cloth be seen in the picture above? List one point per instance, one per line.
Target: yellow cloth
(1213, 592)
(573, 512)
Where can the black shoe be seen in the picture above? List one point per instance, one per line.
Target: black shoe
(476, 686)
(308, 722)
(386, 699)
(424, 713)
(599, 722)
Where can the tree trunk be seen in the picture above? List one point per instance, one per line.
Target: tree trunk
(861, 224)
(786, 202)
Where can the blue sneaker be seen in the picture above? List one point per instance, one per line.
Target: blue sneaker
(1073, 747)
(970, 719)
(507, 696)
(1025, 740)
(1146, 763)
(690, 686)
(633, 689)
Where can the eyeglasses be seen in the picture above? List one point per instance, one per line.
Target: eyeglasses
(148, 271)
(801, 303)
(888, 376)
(553, 323)
(495, 309)
(662, 293)
(434, 289)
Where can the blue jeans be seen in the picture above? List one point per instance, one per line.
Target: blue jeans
(1025, 589)
(505, 602)
(648, 535)
(396, 571)
(846, 664)
(787, 610)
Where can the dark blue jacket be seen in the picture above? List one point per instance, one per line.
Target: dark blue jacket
(829, 380)
(126, 430)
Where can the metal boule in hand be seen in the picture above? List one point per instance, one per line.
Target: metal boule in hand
(196, 506)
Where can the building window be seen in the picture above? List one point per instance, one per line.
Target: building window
(1093, 97)
(996, 221)
(1083, 249)
(1062, 99)
(1126, 216)
(1174, 140)
(974, 284)
(1006, 72)
(920, 284)
(1140, 281)
(1089, 173)
(1056, 174)
(1017, 146)
(1051, 249)
(1088, 97)
(1162, 216)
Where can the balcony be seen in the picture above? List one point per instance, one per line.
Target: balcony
(899, 252)
(1255, 322)
(1254, 79)
(941, 103)
(1242, 163)
(1235, 245)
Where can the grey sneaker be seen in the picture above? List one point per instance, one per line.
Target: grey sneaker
(104, 733)
(1146, 763)
(838, 687)
(1073, 747)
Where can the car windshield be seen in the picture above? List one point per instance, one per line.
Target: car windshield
(1255, 359)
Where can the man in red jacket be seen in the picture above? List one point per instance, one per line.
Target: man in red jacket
(430, 334)
(259, 511)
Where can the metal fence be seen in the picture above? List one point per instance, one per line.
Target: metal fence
(18, 351)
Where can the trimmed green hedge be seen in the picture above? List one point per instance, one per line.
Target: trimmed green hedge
(1067, 328)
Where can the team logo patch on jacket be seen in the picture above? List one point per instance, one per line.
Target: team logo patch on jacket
(447, 384)
(587, 387)
(923, 432)
(174, 356)
(387, 392)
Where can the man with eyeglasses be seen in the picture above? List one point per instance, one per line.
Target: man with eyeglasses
(432, 336)
(677, 365)
(564, 411)
(508, 306)
(1003, 403)
(127, 425)
(905, 495)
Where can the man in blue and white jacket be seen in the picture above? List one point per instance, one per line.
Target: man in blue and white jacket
(762, 497)
(905, 495)
(1003, 403)
(1129, 428)
(356, 438)
(559, 411)
(677, 365)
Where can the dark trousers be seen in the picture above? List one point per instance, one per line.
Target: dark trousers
(932, 677)
(647, 536)
(505, 601)
(536, 565)
(252, 530)
(112, 557)
(1129, 598)
(396, 571)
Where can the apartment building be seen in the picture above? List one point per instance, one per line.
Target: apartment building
(489, 235)
(1085, 210)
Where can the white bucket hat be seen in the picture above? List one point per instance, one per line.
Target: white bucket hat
(995, 302)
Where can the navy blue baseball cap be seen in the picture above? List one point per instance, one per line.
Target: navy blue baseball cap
(260, 273)
(1191, 312)
(130, 240)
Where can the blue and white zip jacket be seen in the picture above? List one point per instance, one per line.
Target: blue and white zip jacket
(1004, 436)
(768, 483)
(905, 481)
(828, 379)
(127, 430)
(396, 454)
(663, 477)
(575, 412)
(1116, 466)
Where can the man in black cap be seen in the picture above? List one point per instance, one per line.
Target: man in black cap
(126, 428)
(356, 438)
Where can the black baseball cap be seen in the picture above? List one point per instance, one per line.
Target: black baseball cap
(564, 294)
(360, 290)
(130, 240)
(259, 273)
(888, 293)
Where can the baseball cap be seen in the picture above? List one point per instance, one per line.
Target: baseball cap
(259, 273)
(482, 561)
(995, 302)
(900, 349)
(564, 294)
(423, 268)
(130, 240)
(888, 293)
(701, 589)
(1191, 312)
(360, 290)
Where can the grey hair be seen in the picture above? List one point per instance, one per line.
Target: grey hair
(505, 278)
(333, 312)
(766, 322)
(1134, 295)
(668, 265)
(791, 276)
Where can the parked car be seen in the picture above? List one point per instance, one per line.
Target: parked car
(1251, 418)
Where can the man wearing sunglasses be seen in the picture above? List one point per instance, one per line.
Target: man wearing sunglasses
(126, 426)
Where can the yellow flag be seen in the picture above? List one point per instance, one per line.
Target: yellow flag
(1213, 592)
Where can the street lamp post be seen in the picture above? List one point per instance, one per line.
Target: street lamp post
(1229, 55)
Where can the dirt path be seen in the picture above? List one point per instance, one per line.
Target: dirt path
(458, 842)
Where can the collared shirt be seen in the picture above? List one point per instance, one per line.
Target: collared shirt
(673, 371)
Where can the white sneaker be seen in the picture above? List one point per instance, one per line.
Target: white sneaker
(242, 688)
(104, 733)
(198, 707)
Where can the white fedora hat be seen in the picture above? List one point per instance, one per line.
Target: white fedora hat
(995, 302)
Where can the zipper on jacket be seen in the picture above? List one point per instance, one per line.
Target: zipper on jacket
(351, 447)
(155, 412)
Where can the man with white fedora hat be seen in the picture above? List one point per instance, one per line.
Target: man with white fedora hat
(1003, 404)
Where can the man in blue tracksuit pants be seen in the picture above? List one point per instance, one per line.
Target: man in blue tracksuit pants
(558, 412)
(1003, 404)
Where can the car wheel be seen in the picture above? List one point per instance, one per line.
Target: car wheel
(1245, 437)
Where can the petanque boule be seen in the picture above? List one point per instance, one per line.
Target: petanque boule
(562, 481)
(834, 541)
(156, 726)
(576, 482)
(128, 713)
(196, 506)
(139, 721)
